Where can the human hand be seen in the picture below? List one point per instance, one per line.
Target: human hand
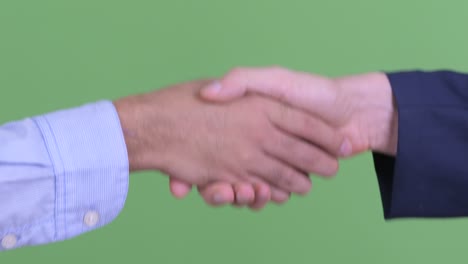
(254, 140)
(360, 107)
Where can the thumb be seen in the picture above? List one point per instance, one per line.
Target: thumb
(179, 188)
(218, 92)
(308, 92)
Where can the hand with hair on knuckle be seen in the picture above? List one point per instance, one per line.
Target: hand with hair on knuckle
(339, 115)
(204, 144)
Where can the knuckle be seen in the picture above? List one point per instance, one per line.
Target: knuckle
(286, 83)
(246, 156)
(275, 176)
(308, 125)
(276, 69)
(312, 161)
(303, 158)
(285, 112)
(262, 140)
(306, 162)
(285, 143)
(284, 178)
(280, 114)
(283, 95)
(259, 134)
(259, 138)
(320, 133)
(236, 72)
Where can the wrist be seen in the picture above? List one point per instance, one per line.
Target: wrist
(376, 110)
(127, 122)
(131, 113)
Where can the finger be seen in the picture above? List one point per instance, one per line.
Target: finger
(217, 194)
(301, 154)
(262, 196)
(311, 128)
(225, 194)
(276, 195)
(179, 188)
(279, 196)
(245, 194)
(302, 90)
(281, 175)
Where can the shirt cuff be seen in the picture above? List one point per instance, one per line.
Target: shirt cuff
(90, 162)
(427, 178)
(398, 176)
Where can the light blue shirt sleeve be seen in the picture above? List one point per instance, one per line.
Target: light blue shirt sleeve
(61, 174)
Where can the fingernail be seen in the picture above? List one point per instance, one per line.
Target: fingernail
(218, 199)
(214, 87)
(346, 148)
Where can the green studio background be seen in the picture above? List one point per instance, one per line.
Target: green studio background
(59, 54)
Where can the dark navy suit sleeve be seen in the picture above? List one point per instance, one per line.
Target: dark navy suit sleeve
(429, 175)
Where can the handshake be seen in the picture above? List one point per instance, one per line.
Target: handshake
(255, 135)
